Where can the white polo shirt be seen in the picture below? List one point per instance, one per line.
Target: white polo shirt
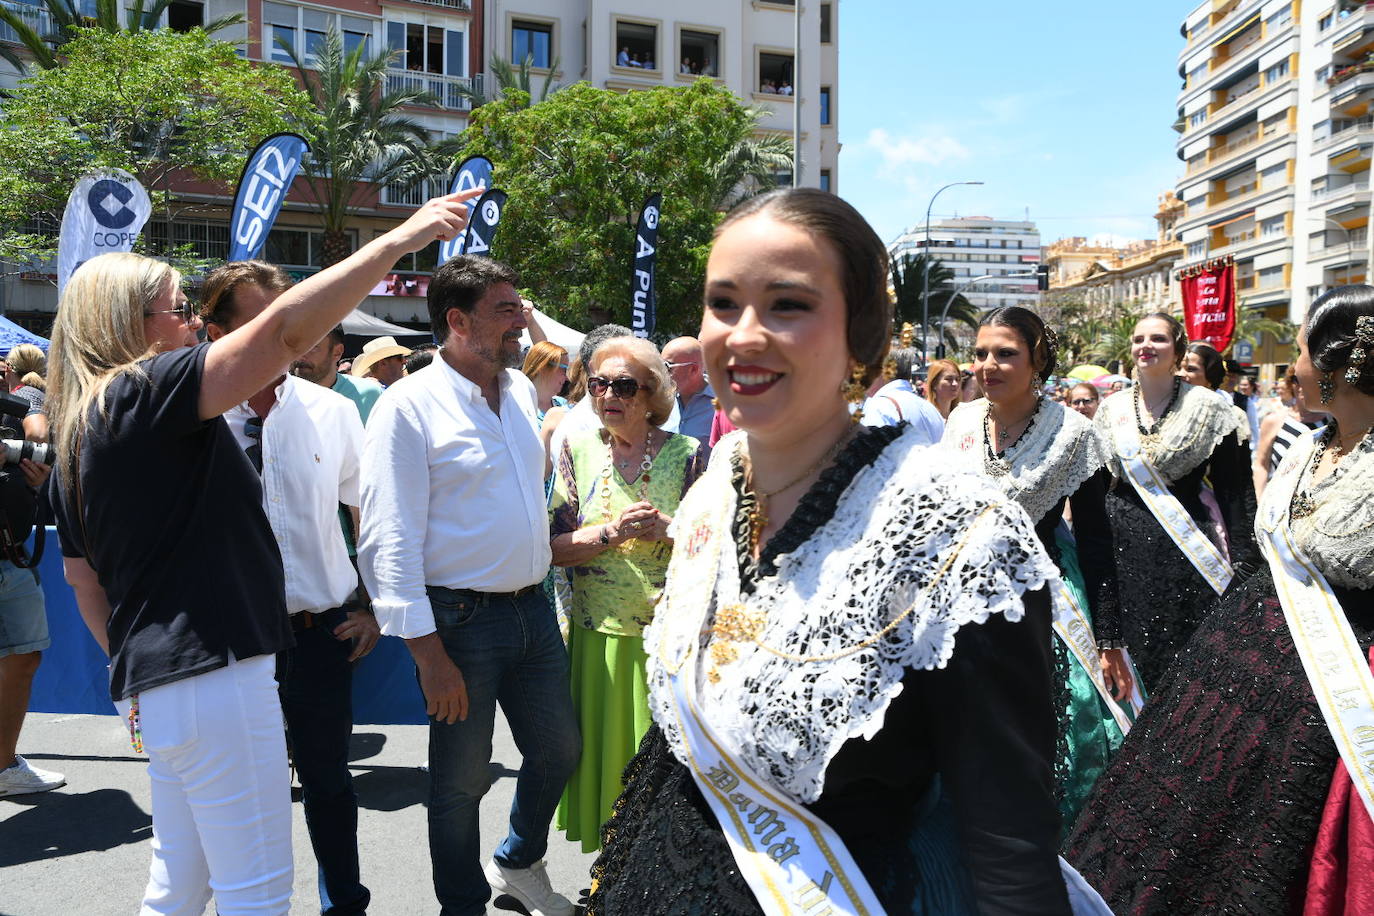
(453, 495)
(311, 445)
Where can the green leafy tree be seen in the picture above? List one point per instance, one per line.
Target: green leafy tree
(578, 167)
(362, 135)
(45, 48)
(506, 76)
(908, 285)
(163, 105)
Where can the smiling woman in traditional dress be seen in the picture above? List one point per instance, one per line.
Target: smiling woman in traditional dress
(849, 671)
(1225, 783)
(1164, 437)
(1044, 455)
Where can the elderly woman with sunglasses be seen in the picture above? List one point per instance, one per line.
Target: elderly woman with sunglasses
(615, 492)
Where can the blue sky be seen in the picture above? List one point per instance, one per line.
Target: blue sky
(1061, 106)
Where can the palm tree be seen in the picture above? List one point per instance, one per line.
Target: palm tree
(506, 76)
(750, 166)
(908, 282)
(361, 136)
(67, 15)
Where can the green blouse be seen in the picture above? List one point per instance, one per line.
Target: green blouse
(615, 591)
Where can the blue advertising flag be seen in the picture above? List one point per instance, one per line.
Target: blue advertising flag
(482, 226)
(473, 172)
(266, 178)
(645, 307)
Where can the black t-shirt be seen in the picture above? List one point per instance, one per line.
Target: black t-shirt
(175, 530)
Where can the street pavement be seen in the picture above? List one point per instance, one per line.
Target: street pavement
(82, 850)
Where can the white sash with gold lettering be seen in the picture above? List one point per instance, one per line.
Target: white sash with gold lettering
(1166, 508)
(1073, 628)
(1336, 667)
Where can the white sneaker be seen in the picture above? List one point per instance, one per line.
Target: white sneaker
(25, 779)
(531, 887)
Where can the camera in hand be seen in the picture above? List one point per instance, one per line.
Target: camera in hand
(16, 450)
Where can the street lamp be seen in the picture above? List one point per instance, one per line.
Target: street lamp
(960, 290)
(925, 280)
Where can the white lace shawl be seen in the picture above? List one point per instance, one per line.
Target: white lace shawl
(1339, 535)
(1188, 435)
(1049, 463)
(897, 524)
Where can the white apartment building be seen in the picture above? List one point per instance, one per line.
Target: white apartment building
(1276, 132)
(638, 44)
(1006, 252)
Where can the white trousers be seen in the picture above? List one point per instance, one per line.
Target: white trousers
(221, 792)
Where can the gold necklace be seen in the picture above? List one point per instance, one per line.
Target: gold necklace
(758, 514)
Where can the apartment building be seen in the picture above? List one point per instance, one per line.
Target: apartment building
(1139, 275)
(997, 257)
(751, 46)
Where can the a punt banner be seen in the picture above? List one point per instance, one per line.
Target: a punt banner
(473, 172)
(267, 176)
(644, 307)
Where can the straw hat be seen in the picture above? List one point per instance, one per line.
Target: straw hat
(378, 348)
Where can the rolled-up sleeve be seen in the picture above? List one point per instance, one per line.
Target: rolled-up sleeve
(395, 516)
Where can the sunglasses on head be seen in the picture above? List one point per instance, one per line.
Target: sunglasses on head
(623, 388)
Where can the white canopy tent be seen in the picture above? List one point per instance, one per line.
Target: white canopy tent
(558, 333)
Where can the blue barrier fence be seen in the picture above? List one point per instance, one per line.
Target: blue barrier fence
(73, 677)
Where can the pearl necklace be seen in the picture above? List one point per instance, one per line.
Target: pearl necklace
(645, 465)
(995, 462)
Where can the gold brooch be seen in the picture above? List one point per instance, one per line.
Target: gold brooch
(734, 623)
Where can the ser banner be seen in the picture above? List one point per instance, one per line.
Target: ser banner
(105, 212)
(473, 172)
(485, 217)
(644, 308)
(267, 176)
(1209, 302)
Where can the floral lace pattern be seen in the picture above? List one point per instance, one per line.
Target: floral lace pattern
(1338, 536)
(1050, 462)
(1188, 434)
(911, 554)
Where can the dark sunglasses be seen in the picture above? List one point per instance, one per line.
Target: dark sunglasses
(186, 311)
(1083, 402)
(252, 428)
(623, 388)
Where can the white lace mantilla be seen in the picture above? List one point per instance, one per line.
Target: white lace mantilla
(1188, 434)
(912, 553)
(1049, 463)
(1338, 537)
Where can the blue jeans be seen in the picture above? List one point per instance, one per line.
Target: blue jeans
(316, 699)
(509, 652)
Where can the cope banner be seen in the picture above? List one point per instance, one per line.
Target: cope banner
(482, 226)
(473, 172)
(643, 312)
(1209, 302)
(105, 212)
(266, 178)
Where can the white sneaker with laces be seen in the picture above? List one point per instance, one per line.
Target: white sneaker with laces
(531, 887)
(24, 779)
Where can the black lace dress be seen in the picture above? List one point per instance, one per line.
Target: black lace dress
(949, 809)
(1213, 801)
(1163, 596)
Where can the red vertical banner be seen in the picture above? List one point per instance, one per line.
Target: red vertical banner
(1209, 303)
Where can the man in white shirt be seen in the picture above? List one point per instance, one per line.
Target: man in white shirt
(454, 548)
(306, 442)
(897, 402)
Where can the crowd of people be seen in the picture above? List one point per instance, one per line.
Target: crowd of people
(779, 617)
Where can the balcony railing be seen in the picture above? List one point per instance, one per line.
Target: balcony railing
(413, 195)
(36, 17)
(1358, 124)
(447, 4)
(1359, 184)
(448, 91)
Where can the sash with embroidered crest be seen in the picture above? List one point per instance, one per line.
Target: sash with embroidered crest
(1165, 507)
(1337, 669)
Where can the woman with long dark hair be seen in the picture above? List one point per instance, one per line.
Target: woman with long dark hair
(1234, 792)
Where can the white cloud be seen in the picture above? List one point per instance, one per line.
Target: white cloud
(899, 153)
